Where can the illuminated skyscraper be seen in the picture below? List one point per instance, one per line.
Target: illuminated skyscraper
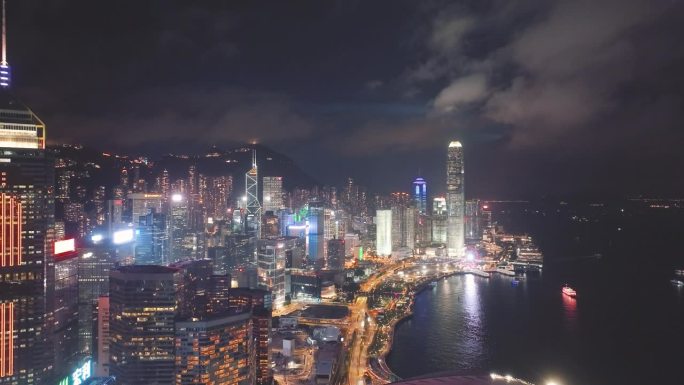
(151, 244)
(271, 260)
(420, 195)
(473, 220)
(217, 350)
(253, 217)
(178, 228)
(27, 275)
(383, 223)
(141, 203)
(94, 264)
(455, 201)
(439, 220)
(143, 305)
(273, 193)
(403, 227)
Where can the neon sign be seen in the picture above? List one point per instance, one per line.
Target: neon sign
(79, 375)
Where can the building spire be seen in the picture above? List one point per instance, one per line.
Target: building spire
(254, 163)
(5, 75)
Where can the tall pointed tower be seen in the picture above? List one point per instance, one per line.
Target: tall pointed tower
(252, 193)
(5, 73)
(455, 201)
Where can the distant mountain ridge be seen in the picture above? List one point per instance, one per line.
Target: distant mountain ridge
(103, 168)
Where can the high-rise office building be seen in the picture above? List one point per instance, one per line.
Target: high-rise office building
(439, 206)
(271, 261)
(143, 304)
(178, 228)
(273, 193)
(403, 226)
(335, 257)
(151, 243)
(217, 350)
(253, 215)
(420, 195)
(94, 264)
(67, 354)
(101, 349)
(218, 193)
(114, 220)
(142, 203)
(259, 303)
(27, 185)
(455, 200)
(473, 221)
(383, 222)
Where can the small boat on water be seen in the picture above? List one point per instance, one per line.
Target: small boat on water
(570, 292)
(433, 284)
(515, 282)
(677, 282)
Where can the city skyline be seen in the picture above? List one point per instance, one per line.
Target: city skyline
(367, 255)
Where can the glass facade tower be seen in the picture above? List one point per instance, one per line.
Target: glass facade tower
(455, 201)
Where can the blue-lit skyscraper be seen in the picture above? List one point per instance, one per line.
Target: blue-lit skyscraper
(420, 195)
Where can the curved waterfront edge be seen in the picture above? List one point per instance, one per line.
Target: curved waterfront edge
(380, 362)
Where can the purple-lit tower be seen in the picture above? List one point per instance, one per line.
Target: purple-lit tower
(420, 195)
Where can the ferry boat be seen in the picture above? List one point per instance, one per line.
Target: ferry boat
(570, 292)
(506, 270)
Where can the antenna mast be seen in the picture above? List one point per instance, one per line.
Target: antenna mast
(4, 35)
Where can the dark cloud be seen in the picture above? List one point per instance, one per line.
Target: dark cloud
(202, 115)
(357, 87)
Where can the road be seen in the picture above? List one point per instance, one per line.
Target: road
(364, 327)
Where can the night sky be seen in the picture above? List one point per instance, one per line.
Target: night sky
(550, 97)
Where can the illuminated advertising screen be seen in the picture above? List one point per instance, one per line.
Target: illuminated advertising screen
(65, 246)
(122, 236)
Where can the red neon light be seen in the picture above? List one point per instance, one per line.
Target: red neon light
(6, 339)
(65, 246)
(10, 231)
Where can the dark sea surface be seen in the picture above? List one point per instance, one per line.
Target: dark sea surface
(625, 327)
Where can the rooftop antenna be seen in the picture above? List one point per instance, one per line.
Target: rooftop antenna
(4, 34)
(4, 66)
(254, 164)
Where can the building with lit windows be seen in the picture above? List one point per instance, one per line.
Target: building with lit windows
(65, 326)
(420, 195)
(259, 303)
(273, 193)
(439, 220)
(94, 264)
(151, 241)
(218, 350)
(142, 203)
(271, 261)
(403, 227)
(252, 205)
(383, 242)
(455, 201)
(335, 258)
(143, 305)
(179, 234)
(473, 221)
(27, 185)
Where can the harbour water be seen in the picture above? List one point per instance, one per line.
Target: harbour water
(625, 327)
